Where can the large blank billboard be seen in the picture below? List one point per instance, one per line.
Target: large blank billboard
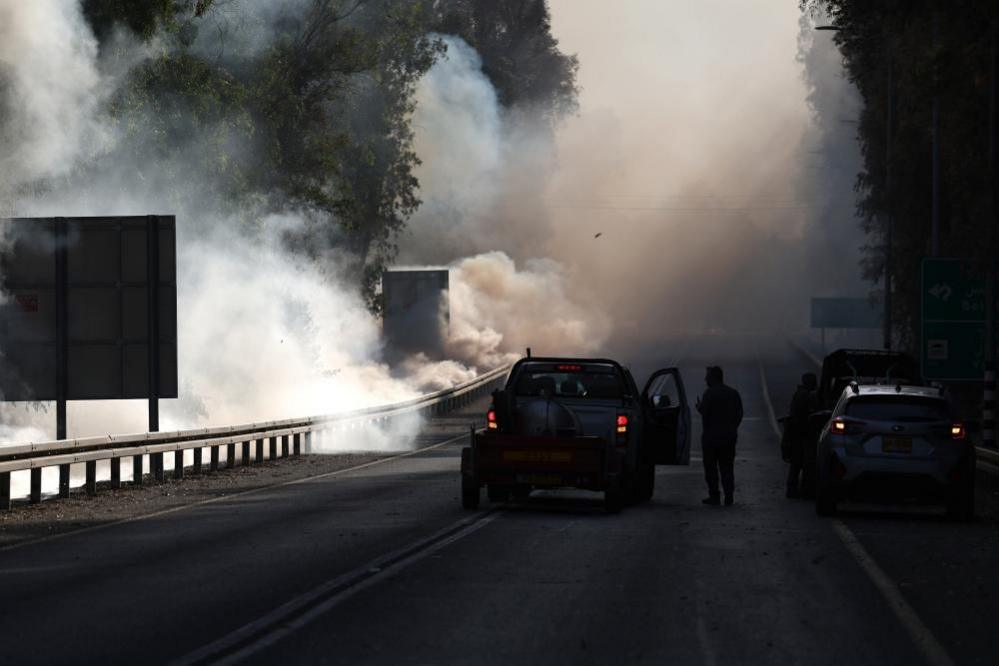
(416, 311)
(104, 276)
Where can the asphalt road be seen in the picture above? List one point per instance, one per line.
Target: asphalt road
(381, 566)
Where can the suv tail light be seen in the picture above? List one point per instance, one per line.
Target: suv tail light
(957, 431)
(841, 426)
(491, 420)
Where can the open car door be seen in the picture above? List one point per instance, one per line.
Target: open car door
(667, 418)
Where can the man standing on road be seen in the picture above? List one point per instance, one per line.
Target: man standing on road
(797, 444)
(721, 414)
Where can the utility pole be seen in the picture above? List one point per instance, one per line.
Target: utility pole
(989, 395)
(889, 214)
(935, 229)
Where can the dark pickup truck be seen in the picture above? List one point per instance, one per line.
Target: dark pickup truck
(577, 423)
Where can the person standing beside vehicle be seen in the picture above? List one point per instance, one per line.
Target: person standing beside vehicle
(721, 414)
(795, 442)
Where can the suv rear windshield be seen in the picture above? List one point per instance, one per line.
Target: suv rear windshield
(900, 408)
(586, 382)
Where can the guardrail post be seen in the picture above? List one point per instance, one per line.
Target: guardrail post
(246, 453)
(260, 450)
(298, 443)
(116, 473)
(308, 443)
(178, 464)
(36, 485)
(4, 491)
(63, 481)
(284, 445)
(137, 470)
(273, 447)
(91, 477)
(156, 463)
(230, 455)
(197, 461)
(213, 465)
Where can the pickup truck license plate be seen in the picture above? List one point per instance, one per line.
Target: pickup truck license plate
(537, 456)
(896, 444)
(550, 480)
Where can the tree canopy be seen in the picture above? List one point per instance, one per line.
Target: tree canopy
(308, 104)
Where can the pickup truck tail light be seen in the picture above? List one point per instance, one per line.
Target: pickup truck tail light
(491, 423)
(957, 431)
(622, 429)
(622, 423)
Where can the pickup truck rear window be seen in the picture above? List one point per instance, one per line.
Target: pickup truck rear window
(901, 408)
(592, 385)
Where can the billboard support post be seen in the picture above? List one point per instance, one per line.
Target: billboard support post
(152, 338)
(62, 343)
(153, 335)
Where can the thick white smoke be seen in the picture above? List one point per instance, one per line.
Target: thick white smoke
(498, 310)
(483, 180)
(263, 333)
(50, 89)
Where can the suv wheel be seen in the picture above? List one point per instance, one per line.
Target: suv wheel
(825, 501)
(961, 501)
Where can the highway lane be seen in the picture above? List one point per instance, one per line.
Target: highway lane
(380, 565)
(555, 580)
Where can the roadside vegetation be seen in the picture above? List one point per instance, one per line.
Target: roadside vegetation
(307, 104)
(906, 57)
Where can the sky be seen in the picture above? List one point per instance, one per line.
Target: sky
(685, 155)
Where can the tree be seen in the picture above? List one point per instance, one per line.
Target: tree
(520, 55)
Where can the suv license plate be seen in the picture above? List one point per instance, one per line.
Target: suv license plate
(896, 444)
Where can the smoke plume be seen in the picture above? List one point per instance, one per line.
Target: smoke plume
(50, 90)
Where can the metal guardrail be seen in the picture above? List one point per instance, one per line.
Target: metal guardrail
(285, 437)
(988, 459)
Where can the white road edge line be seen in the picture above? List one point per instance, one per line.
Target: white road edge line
(766, 398)
(223, 498)
(925, 641)
(295, 614)
(920, 634)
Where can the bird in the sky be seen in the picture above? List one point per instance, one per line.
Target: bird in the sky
(599, 234)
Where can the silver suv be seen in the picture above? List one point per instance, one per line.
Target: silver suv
(894, 444)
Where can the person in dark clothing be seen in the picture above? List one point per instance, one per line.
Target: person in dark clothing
(797, 444)
(721, 414)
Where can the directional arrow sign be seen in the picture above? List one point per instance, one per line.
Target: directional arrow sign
(941, 291)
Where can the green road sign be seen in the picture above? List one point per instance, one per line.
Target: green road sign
(953, 320)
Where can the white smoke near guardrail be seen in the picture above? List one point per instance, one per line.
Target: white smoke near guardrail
(263, 332)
